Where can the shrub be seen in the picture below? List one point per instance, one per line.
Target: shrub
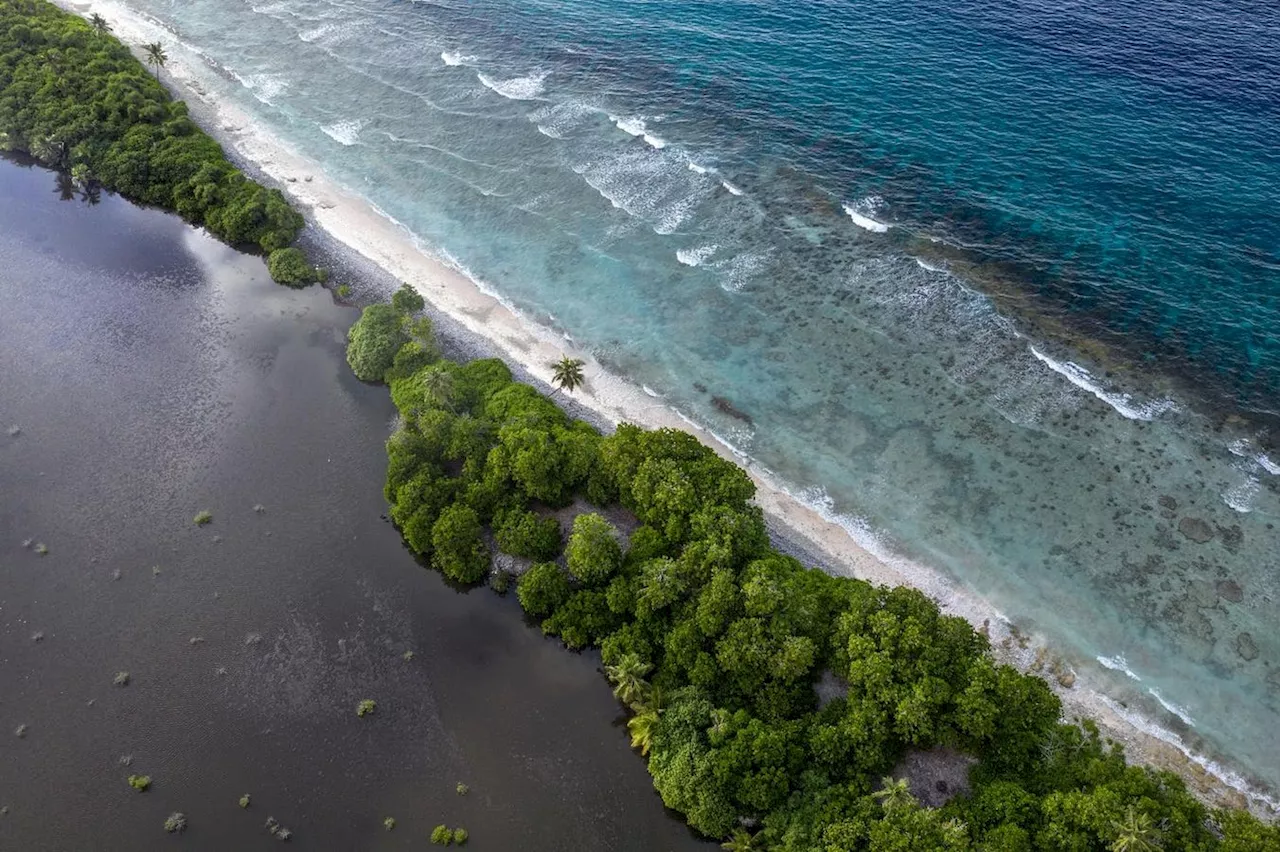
(373, 342)
(460, 836)
(458, 552)
(593, 553)
(203, 517)
(441, 835)
(344, 290)
(407, 300)
(462, 789)
(366, 707)
(522, 533)
(175, 823)
(141, 783)
(389, 823)
(542, 589)
(289, 266)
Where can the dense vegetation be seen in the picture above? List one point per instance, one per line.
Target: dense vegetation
(74, 98)
(715, 640)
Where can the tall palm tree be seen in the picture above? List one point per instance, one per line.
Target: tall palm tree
(100, 25)
(47, 149)
(894, 794)
(63, 186)
(156, 56)
(1134, 833)
(438, 385)
(627, 678)
(743, 841)
(642, 727)
(567, 374)
(80, 175)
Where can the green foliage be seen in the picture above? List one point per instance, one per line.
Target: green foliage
(289, 266)
(458, 550)
(389, 823)
(523, 533)
(72, 95)
(460, 836)
(175, 823)
(715, 641)
(343, 291)
(141, 783)
(374, 341)
(244, 800)
(543, 589)
(203, 517)
(366, 707)
(407, 300)
(441, 835)
(593, 553)
(462, 789)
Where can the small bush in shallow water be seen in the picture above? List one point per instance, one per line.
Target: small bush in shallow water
(42, 549)
(244, 800)
(203, 517)
(441, 835)
(389, 823)
(460, 836)
(289, 266)
(121, 679)
(141, 783)
(175, 823)
(366, 707)
(344, 290)
(462, 789)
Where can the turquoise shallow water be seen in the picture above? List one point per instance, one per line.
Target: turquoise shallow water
(795, 209)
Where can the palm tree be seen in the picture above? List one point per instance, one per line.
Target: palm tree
(156, 55)
(567, 374)
(642, 727)
(894, 794)
(64, 186)
(438, 385)
(47, 149)
(742, 841)
(1134, 833)
(80, 175)
(100, 25)
(627, 678)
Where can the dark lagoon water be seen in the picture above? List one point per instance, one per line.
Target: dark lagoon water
(998, 283)
(154, 373)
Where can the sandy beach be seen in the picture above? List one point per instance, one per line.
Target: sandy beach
(801, 520)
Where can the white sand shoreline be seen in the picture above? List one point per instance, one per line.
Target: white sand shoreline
(358, 224)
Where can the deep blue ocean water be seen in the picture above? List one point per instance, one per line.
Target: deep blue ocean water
(995, 284)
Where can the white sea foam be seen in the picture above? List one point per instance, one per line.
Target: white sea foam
(696, 256)
(517, 88)
(636, 126)
(929, 267)
(1241, 496)
(1121, 402)
(733, 190)
(1118, 664)
(453, 57)
(264, 87)
(702, 170)
(1243, 448)
(344, 132)
(865, 221)
(1180, 712)
(318, 32)
(650, 392)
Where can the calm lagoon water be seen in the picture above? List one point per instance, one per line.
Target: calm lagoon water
(998, 284)
(154, 373)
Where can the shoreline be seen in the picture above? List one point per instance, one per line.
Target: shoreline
(798, 522)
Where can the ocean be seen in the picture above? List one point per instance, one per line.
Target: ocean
(995, 286)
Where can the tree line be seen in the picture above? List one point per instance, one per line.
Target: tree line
(74, 98)
(714, 640)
